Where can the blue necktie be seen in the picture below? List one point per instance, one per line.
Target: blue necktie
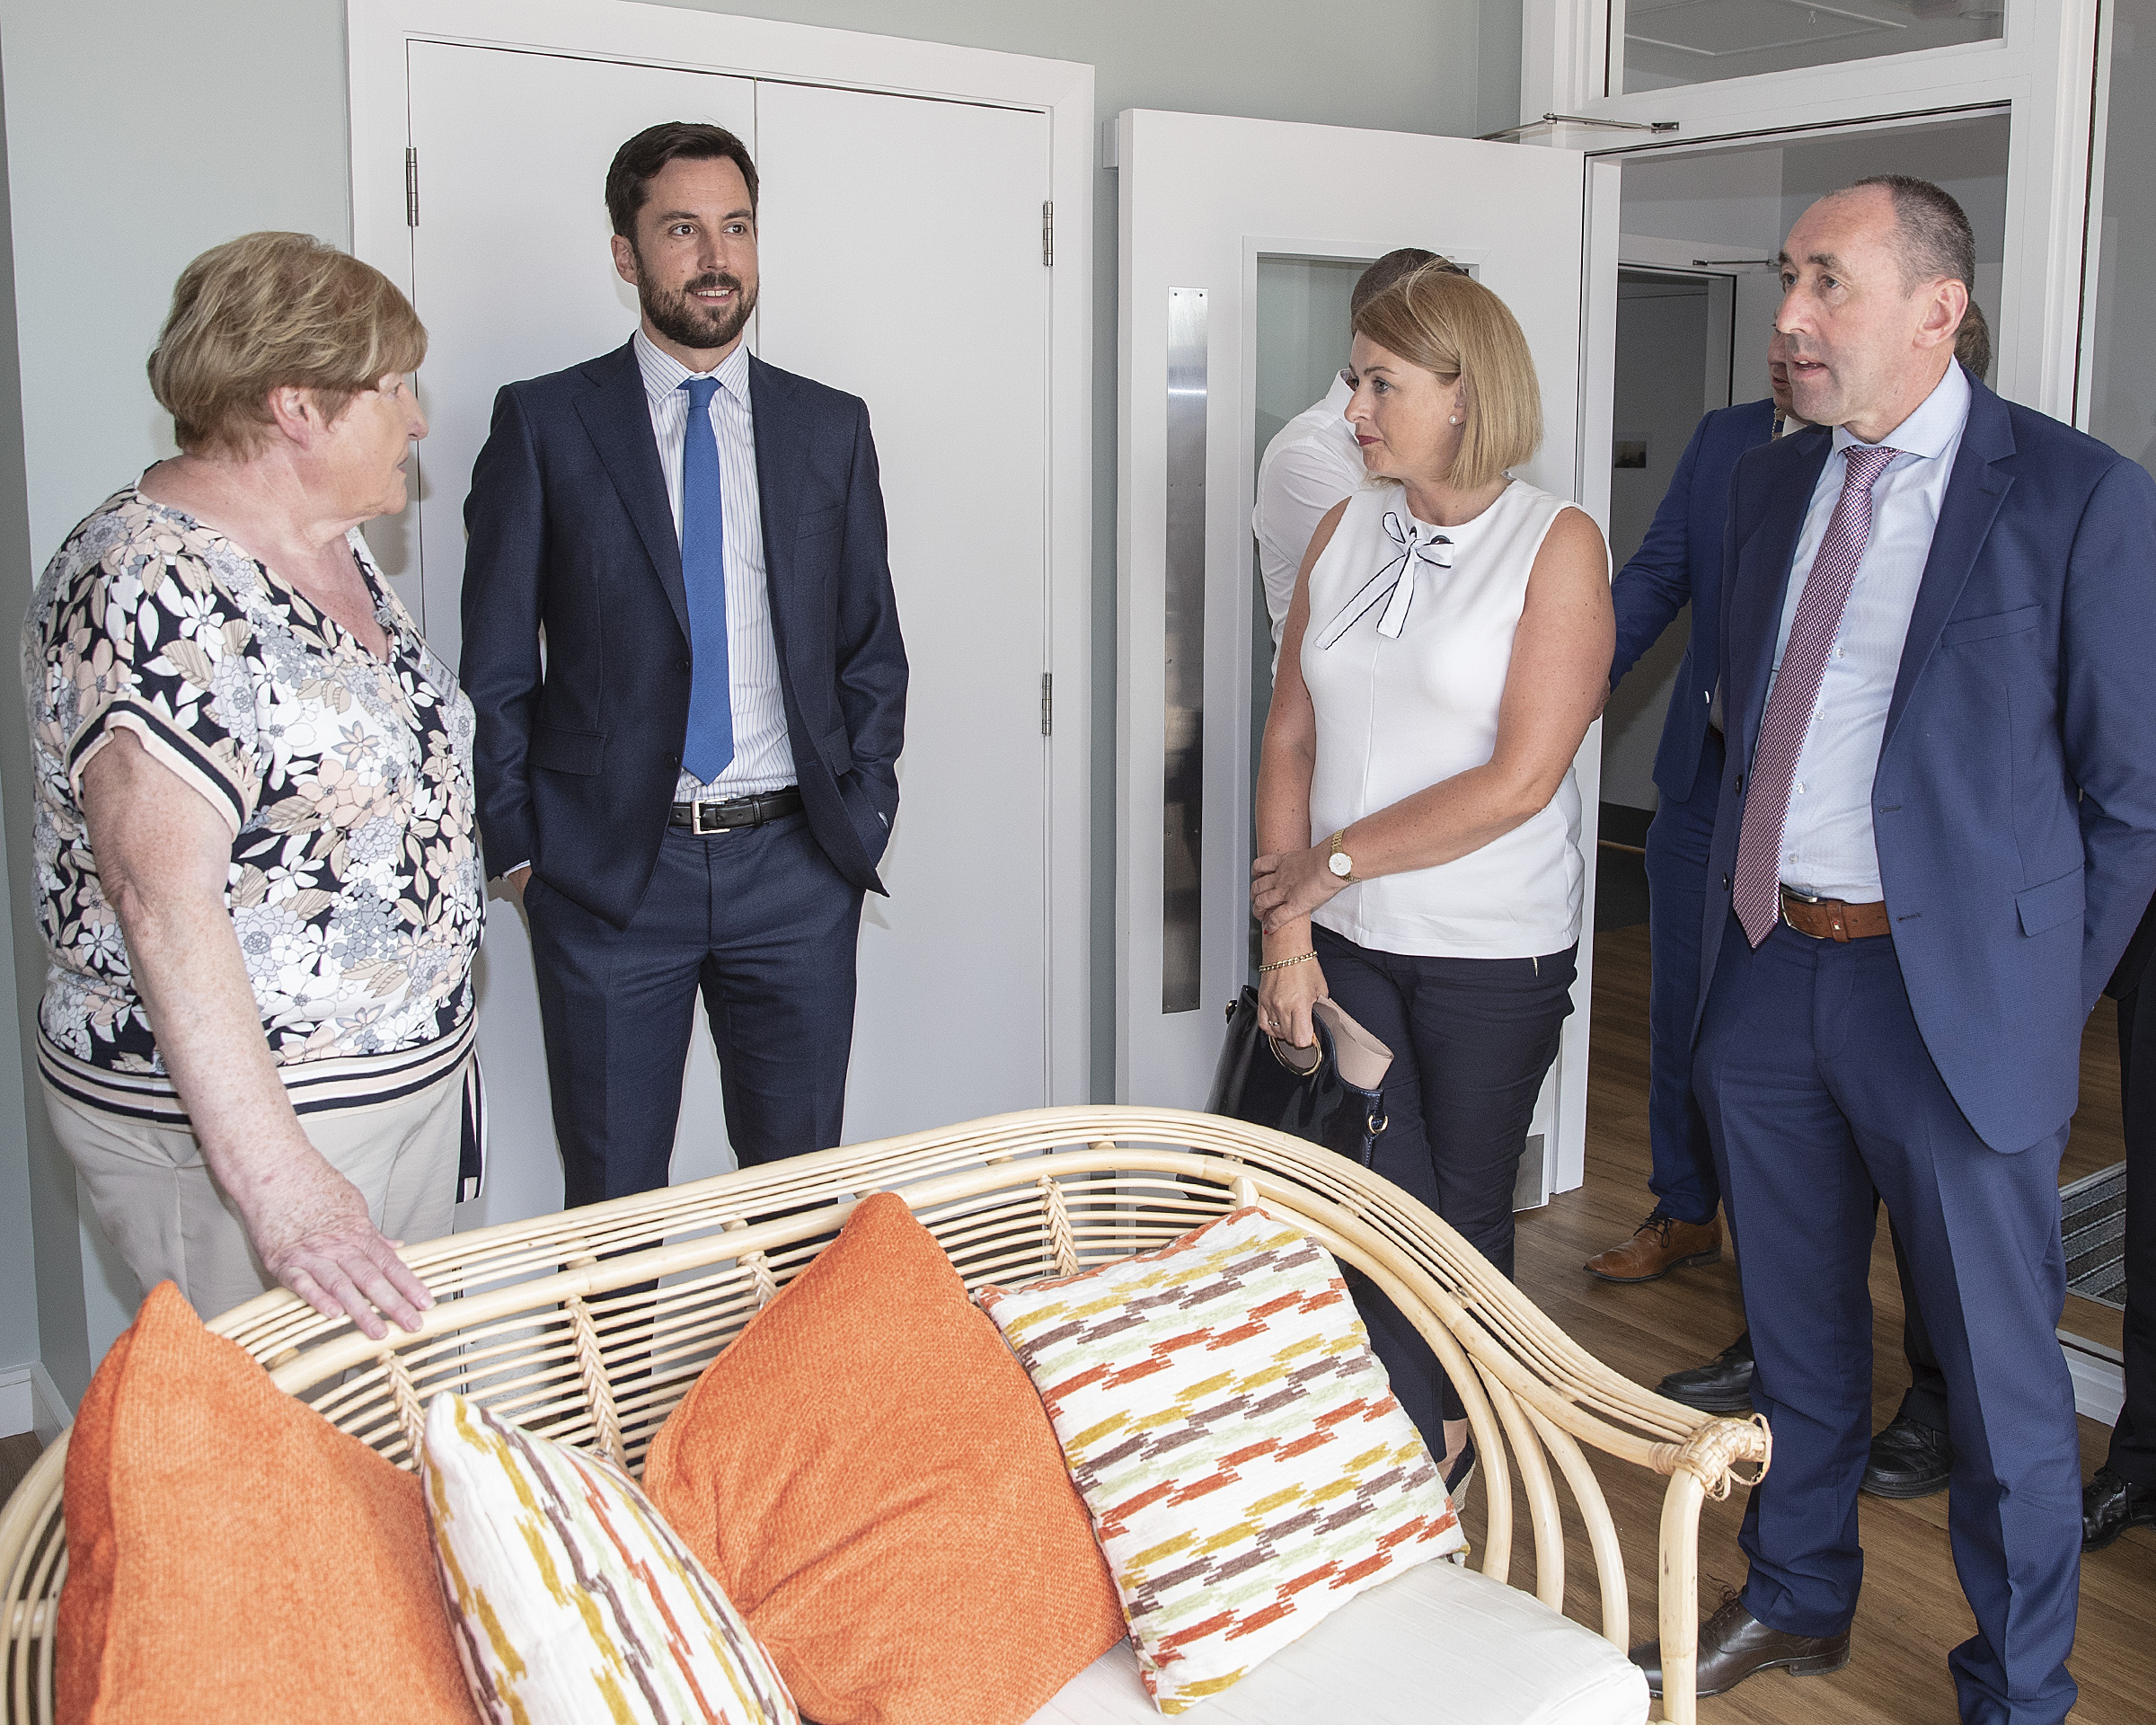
(709, 743)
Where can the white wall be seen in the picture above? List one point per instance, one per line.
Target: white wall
(139, 132)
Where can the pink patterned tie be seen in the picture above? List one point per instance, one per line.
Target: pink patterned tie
(1796, 693)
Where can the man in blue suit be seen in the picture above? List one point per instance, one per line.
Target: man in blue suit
(691, 787)
(1679, 563)
(1938, 827)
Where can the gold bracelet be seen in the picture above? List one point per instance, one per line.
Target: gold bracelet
(1282, 964)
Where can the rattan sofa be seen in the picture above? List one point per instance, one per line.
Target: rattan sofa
(556, 1323)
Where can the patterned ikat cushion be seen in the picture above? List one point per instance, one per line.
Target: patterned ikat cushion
(1246, 1465)
(570, 1599)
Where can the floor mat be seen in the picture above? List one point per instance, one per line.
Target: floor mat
(2093, 1225)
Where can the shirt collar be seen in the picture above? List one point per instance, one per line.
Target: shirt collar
(1936, 423)
(664, 374)
(1336, 399)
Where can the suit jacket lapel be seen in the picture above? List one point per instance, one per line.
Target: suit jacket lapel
(1760, 585)
(1974, 491)
(618, 420)
(781, 458)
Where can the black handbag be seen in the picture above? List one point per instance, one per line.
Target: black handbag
(1331, 1094)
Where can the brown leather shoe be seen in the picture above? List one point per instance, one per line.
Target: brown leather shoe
(1733, 1644)
(1662, 1244)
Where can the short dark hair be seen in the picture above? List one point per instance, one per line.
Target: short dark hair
(1973, 342)
(628, 178)
(1931, 233)
(1394, 266)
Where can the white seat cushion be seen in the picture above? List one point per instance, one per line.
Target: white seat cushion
(1440, 1643)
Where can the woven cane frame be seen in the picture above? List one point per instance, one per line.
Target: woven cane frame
(556, 1323)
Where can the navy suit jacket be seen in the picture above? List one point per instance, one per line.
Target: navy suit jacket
(570, 530)
(1680, 563)
(2014, 804)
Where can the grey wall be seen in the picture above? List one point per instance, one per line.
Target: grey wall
(139, 132)
(2122, 384)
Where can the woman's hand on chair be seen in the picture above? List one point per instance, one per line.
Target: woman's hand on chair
(1285, 997)
(1287, 884)
(311, 1228)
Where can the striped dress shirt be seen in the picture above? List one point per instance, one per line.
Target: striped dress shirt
(763, 753)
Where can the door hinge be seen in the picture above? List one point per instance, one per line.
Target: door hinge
(1047, 703)
(1048, 234)
(412, 186)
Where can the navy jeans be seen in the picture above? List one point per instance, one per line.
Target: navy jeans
(1471, 1039)
(759, 922)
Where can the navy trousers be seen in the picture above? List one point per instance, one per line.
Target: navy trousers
(765, 928)
(2133, 1438)
(1472, 1040)
(1817, 1090)
(1678, 839)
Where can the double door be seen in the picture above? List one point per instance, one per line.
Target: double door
(901, 260)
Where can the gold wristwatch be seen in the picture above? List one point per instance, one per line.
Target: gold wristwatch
(1341, 865)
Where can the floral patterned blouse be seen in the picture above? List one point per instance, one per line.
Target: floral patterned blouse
(355, 883)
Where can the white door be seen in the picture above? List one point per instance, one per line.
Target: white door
(910, 274)
(902, 261)
(1204, 200)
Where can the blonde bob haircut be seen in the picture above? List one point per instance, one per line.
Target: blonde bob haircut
(1451, 324)
(271, 311)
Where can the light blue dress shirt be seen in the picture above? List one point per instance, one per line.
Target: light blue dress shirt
(1826, 842)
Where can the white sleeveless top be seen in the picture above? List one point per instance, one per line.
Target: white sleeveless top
(1406, 660)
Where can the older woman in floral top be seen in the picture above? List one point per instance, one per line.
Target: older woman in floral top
(262, 889)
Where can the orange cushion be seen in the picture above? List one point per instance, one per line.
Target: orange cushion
(231, 1554)
(871, 1476)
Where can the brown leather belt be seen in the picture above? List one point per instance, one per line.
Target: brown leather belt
(1831, 919)
(705, 818)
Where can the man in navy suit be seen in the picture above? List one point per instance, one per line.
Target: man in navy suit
(1937, 830)
(1679, 563)
(691, 787)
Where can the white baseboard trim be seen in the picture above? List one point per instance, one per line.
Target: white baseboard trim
(2099, 1378)
(30, 1401)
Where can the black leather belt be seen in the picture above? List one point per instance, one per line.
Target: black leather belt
(707, 818)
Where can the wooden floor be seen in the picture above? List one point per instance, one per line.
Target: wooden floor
(16, 1454)
(1912, 1611)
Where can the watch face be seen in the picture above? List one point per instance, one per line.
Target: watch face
(1340, 864)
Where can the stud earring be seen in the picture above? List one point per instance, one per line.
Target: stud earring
(1456, 418)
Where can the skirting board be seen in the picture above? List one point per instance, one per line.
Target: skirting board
(29, 1402)
(2099, 1378)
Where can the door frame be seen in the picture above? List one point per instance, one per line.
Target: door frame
(2042, 70)
(378, 33)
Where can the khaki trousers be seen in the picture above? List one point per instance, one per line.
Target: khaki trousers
(154, 1197)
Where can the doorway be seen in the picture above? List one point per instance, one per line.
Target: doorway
(972, 985)
(1697, 291)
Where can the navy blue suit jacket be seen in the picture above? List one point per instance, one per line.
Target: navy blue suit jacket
(570, 530)
(2014, 804)
(1680, 563)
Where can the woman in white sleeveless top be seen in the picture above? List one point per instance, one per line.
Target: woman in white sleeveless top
(1448, 646)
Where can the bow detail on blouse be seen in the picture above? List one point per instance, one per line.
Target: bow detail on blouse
(1395, 582)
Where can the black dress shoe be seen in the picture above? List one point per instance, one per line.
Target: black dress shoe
(2110, 1505)
(1909, 1459)
(1733, 1644)
(1722, 1386)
